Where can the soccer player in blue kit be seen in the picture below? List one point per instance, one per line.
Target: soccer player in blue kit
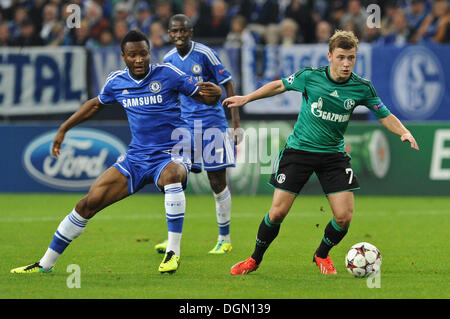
(213, 140)
(149, 95)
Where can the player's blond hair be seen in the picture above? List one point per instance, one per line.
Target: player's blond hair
(343, 39)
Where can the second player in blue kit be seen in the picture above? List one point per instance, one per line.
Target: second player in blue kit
(214, 141)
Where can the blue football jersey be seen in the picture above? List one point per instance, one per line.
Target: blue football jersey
(151, 105)
(204, 65)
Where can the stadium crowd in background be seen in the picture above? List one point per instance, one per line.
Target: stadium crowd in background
(222, 22)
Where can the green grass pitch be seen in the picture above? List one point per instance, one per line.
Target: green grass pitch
(117, 260)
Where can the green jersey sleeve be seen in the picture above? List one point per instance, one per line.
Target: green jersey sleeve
(373, 102)
(296, 81)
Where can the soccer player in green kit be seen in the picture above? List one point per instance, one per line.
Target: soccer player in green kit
(317, 145)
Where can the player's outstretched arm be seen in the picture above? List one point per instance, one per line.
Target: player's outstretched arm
(235, 117)
(270, 89)
(209, 93)
(393, 124)
(86, 111)
(231, 91)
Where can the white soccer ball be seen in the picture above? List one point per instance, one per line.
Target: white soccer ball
(363, 259)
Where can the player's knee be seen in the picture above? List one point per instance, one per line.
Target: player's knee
(277, 214)
(344, 218)
(217, 180)
(81, 208)
(173, 175)
(217, 185)
(87, 207)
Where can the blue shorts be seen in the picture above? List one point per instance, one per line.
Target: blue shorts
(144, 169)
(217, 151)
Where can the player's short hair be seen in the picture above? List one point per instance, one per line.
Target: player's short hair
(181, 18)
(343, 39)
(133, 36)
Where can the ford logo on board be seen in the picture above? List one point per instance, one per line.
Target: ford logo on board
(85, 154)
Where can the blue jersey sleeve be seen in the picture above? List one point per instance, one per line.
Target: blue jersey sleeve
(106, 95)
(182, 82)
(216, 67)
(168, 59)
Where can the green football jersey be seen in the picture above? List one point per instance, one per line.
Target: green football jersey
(326, 108)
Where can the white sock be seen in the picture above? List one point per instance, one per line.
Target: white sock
(49, 259)
(223, 214)
(174, 242)
(175, 204)
(70, 228)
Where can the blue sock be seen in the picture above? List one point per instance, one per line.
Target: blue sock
(70, 228)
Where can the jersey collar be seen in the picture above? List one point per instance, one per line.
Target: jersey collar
(327, 72)
(139, 81)
(182, 58)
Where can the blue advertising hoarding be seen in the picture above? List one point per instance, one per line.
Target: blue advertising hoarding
(44, 80)
(413, 81)
(87, 151)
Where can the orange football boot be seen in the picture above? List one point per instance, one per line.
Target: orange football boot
(244, 267)
(325, 265)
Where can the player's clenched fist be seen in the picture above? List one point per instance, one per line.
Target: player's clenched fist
(209, 89)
